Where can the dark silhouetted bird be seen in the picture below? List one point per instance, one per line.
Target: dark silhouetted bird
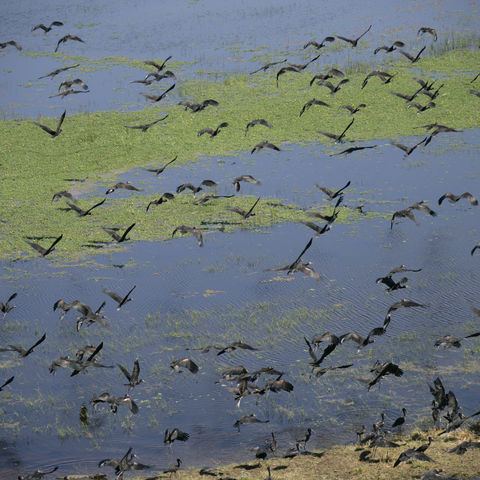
(352, 149)
(119, 299)
(132, 378)
(332, 193)
(13, 43)
(158, 171)
(67, 37)
(10, 380)
(259, 121)
(412, 58)
(400, 420)
(45, 251)
(115, 402)
(84, 213)
(211, 132)
(145, 127)
(156, 65)
(284, 70)
(320, 45)
(333, 88)
(311, 102)
(70, 83)
(157, 98)
(24, 352)
(6, 307)
(386, 369)
(407, 150)
(243, 213)
(185, 230)
(47, 29)
(59, 70)
(355, 41)
(383, 76)
(125, 185)
(116, 236)
(389, 48)
(421, 108)
(353, 110)
(37, 474)
(198, 107)
(267, 66)
(474, 92)
(64, 194)
(188, 363)
(164, 198)
(455, 198)
(429, 30)
(448, 341)
(404, 303)
(406, 213)
(337, 138)
(53, 133)
(252, 418)
(264, 144)
(244, 178)
(474, 248)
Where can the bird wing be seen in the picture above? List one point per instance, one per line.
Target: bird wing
(60, 121)
(45, 128)
(307, 246)
(95, 206)
(50, 248)
(112, 233)
(205, 130)
(125, 372)
(345, 131)
(38, 342)
(406, 54)
(113, 295)
(125, 233)
(10, 380)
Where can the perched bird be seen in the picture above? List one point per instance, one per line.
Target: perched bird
(311, 102)
(244, 178)
(353, 110)
(252, 418)
(332, 193)
(389, 48)
(386, 369)
(267, 66)
(164, 198)
(158, 171)
(429, 30)
(304, 438)
(259, 121)
(53, 133)
(67, 37)
(59, 70)
(354, 41)
(185, 230)
(145, 127)
(116, 236)
(6, 307)
(157, 98)
(320, 45)
(264, 144)
(69, 83)
(333, 88)
(84, 213)
(211, 132)
(120, 300)
(10, 380)
(337, 138)
(400, 420)
(173, 470)
(187, 363)
(448, 341)
(24, 352)
(13, 43)
(407, 150)
(243, 213)
(47, 29)
(45, 251)
(455, 198)
(198, 107)
(412, 58)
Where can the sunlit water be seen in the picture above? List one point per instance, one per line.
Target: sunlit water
(187, 296)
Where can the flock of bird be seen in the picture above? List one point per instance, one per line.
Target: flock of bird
(237, 380)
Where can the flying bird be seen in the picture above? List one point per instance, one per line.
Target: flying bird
(243, 213)
(116, 236)
(320, 45)
(474, 92)
(119, 299)
(211, 132)
(47, 29)
(389, 48)
(156, 65)
(412, 58)
(352, 149)
(421, 108)
(6, 307)
(69, 83)
(405, 148)
(164, 198)
(267, 66)
(259, 121)
(84, 213)
(13, 43)
(53, 133)
(189, 364)
(145, 127)
(354, 41)
(234, 345)
(67, 37)
(404, 303)
(333, 193)
(311, 102)
(244, 178)
(383, 76)
(158, 171)
(333, 72)
(455, 198)
(474, 248)
(45, 251)
(333, 88)
(448, 341)
(198, 107)
(59, 70)
(337, 138)
(429, 30)
(24, 352)
(252, 418)
(132, 378)
(284, 70)
(264, 144)
(352, 109)
(292, 266)
(125, 185)
(185, 230)
(69, 91)
(157, 98)
(388, 368)
(115, 402)
(10, 380)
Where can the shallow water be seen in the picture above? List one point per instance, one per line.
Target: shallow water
(187, 297)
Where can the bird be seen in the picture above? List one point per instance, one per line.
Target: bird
(429, 30)
(304, 438)
(187, 363)
(333, 88)
(132, 378)
(116, 236)
(323, 370)
(259, 121)
(190, 186)
(320, 45)
(432, 95)
(384, 77)
(173, 470)
(244, 178)
(211, 132)
(156, 65)
(234, 345)
(474, 248)
(406, 97)
(267, 66)
(278, 384)
(349, 150)
(264, 144)
(6, 307)
(412, 58)
(358, 339)
(198, 107)
(57, 131)
(389, 48)
(448, 341)
(10, 380)
(86, 313)
(115, 402)
(390, 283)
(65, 194)
(24, 352)
(145, 127)
(303, 66)
(400, 420)
(333, 72)
(284, 70)
(45, 251)
(320, 230)
(244, 213)
(386, 369)
(334, 341)
(13, 43)
(353, 110)
(84, 213)
(337, 138)
(421, 108)
(474, 92)
(355, 41)
(157, 76)
(452, 198)
(69, 83)
(332, 193)
(56, 23)
(66, 92)
(157, 98)
(311, 102)
(462, 447)
(407, 150)
(184, 229)
(67, 37)
(252, 418)
(37, 474)
(59, 70)
(423, 208)
(292, 266)
(158, 171)
(125, 185)
(404, 303)
(164, 198)
(120, 300)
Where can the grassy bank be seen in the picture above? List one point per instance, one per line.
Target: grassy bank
(34, 166)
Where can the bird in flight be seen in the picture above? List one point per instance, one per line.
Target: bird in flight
(352, 149)
(59, 70)
(145, 127)
(45, 251)
(53, 133)
(332, 193)
(6, 307)
(259, 121)
(244, 178)
(131, 377)
(354, 41)
(455, 198)
(190, 230)
(243, 213)
(156, 65)
(158, 171)
(448, 341)
(267, 66)
(179, 364)
(383, 76)
(337, 138)
(352, 109)
(198, 107)
(116, 236)
(67, 37)
(84, 213)
(10, 380)
(405, 148)
(24, 352)
(211, 132)
(157, 98)
(389, 48)
(421, 108)
(333, 88)
(429, 30)
(13, 43)
(311, 102)
(45, 28)
(125, 185)
(412, 58)
(119, 299)
(264, 144)
(320, 45)
(283, 70)
(164, 198)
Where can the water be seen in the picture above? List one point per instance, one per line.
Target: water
(188, 297)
